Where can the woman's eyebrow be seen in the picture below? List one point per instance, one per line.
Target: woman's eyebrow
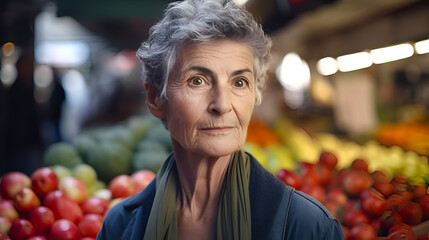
(241, 71)
(209, 72)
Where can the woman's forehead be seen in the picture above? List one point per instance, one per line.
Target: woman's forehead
(225, 51)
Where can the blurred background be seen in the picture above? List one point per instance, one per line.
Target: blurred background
(355, 70)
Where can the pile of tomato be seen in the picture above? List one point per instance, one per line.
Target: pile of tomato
(369, 205)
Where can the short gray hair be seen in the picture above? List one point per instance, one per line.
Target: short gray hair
(197, 21)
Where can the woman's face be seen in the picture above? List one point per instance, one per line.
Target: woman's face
(210, 98)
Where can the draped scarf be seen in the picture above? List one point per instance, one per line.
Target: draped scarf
(233, 219)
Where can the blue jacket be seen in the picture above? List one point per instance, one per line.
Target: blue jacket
(278, 212)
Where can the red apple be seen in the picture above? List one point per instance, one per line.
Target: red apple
(5, 225)
(84, 238)
(4, 236)
(26, 199)
(42, 218)
(51, 197)
(121, 186)
(64, 229)
(12, 182)
(44, 180)
(8, 210)
(38, 237)
(62, 206)
(90, 225)
(95, 205)
(73, 188)
(141, 179)
(21, 229)
(104, 194)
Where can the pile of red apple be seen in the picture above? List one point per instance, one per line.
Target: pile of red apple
(40, 206)
(368, 205)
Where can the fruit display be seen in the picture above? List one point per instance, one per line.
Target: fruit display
(369, 205)
(376, 191)
(49, 205)
(297, 145)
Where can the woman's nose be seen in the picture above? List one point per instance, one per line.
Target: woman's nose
(220, 101)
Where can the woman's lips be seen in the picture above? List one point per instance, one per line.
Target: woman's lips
(223, 128)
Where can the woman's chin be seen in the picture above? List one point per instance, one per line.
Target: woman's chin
(220, 149)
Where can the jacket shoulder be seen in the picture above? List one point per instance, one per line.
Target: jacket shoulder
(309, 219)
(122, 217)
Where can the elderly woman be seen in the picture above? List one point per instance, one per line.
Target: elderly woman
(203, 68)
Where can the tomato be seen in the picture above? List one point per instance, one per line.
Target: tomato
(355, 217)
(323, 174)
(384, 187)
(399, 183)
(376, 224)
(373, 202)
(362, 231)
(360, 165)
(315, 191)
(338, 196)
(355, 182)
(401, 231)
(395, 201)
(424, 204)
(379, 176)
(290, 178)
(411, 213)
(336, 210)
(308, 173)
(328, 159)
(418, 190)
(388, 219)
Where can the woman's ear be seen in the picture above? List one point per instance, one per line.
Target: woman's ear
(153, 102)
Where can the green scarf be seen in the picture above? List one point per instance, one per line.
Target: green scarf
(233, 220)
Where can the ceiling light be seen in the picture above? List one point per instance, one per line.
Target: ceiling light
(392, 53)
(422, 47)
(293, 73)
(327, 66)
(355, 61)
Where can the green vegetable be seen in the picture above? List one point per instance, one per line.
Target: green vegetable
(62, 153)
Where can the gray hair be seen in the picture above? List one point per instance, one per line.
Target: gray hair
(197, 21)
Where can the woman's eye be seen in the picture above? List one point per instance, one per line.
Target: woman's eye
(197, 81)
(240, 83)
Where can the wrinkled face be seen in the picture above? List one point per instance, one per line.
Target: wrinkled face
(210, 98)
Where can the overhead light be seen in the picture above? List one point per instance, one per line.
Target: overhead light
(392, 53)
(62, 53)
(293, 73)
(422, 47)
(355, 61)
(327, 66)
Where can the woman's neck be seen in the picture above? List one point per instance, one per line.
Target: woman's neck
(201, 179)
